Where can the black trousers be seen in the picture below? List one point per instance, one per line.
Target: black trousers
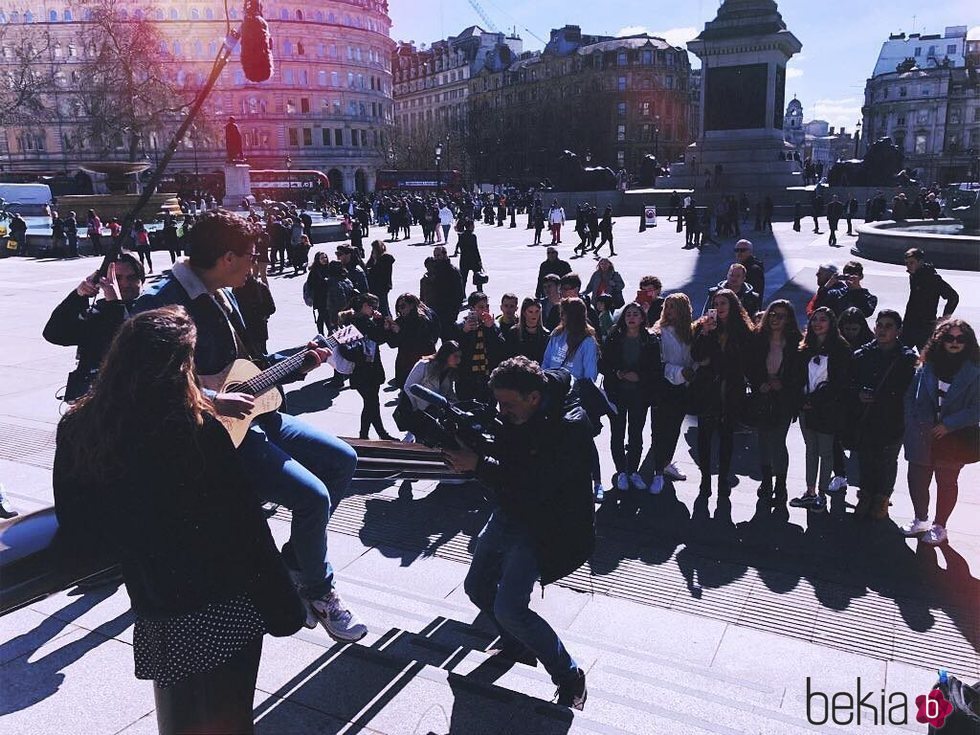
(668, 416)
(708, 426)
(632, 413)
(218, 700)
(879, 468)
(371, 410)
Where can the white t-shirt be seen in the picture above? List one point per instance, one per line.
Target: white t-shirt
(817, 372)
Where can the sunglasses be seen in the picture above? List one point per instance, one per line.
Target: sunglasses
(949, 339)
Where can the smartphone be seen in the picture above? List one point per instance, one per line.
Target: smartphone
(713, 314)
(644, 298)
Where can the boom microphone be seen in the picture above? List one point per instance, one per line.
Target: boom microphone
(429, 396)
(256, 44)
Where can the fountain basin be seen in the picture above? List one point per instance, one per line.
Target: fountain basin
(947, 242)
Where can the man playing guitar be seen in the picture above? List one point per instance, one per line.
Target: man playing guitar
(294, 464)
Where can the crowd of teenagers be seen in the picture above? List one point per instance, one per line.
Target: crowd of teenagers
(143, 466)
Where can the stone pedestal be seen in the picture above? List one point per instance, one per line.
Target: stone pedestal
(238, 185)
(743, 54)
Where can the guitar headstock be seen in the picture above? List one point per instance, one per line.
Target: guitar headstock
(343, 336)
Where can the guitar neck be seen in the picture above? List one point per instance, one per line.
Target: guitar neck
(284, 370)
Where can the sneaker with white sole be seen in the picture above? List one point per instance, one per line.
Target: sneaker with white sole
(339, 622)
(915, 527)
(621, 481)
(837, 484)
(637, 482)
(672, 473)
(599, 491)
(656, 484)
(804, 501)
(934, 536)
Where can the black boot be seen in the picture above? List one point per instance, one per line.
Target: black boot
(780, 494)
(765, 489)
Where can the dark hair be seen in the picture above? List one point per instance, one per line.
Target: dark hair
(933, 352)
(551, 278)
(508, 295)
(147, 388)
(571, 280)
(475, 298)
(447, 348)
(791, 330)
(651, 281)
(575, 324)
(132, 261)
(518, 373)
(834, 337)
(917, 253)
(620, 326)
(890, 314)
(853, 267)
(218, 232)
(853, 315)
(738, 319)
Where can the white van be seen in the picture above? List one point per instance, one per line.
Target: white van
(29, 200)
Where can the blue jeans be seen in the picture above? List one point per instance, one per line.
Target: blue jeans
(500, 581)
(307, 471)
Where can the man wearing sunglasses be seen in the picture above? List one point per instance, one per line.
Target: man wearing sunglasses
(926, 287)
(755, 274)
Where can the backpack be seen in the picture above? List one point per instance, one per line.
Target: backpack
(965, 716)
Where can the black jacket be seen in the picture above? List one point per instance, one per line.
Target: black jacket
(185, 523)
(541, 476)
(747, 296)
(757, 373)
(650, 368)
(379, 274)
(74, 323)
(469, 252)
(257, 305)
(822, 408)
(755, 276)
(926, 287)
(887, 375)
(720, 380)
(558, 266)
(447, 290)
(532, 346)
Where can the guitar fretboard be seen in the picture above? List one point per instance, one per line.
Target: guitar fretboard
(281, 370)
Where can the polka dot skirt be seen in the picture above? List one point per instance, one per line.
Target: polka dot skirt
(169, 650)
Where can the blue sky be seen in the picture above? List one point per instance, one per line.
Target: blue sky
(841, 38)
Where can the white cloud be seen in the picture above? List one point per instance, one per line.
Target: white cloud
(673, 36)
(844, 112)
(793, 73)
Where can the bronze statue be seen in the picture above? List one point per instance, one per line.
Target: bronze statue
(233, 141)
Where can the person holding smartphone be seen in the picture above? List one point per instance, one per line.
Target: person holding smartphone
(483, 347)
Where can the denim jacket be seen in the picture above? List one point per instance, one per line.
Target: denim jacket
(960, 409)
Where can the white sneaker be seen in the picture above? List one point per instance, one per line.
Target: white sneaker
(599, 491)
(621, 481)
(409, 438)
(915, 527)
(339, 622)
(837, 484)
(637, 482)
(672, 473)
(656, 484)
(934, 536)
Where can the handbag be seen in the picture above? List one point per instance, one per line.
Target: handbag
(958, 447)
(758, 409)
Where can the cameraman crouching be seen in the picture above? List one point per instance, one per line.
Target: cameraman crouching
(543, 525)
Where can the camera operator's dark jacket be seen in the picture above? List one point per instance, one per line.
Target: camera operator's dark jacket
(888, 375)
(91, 328)
(542, 479)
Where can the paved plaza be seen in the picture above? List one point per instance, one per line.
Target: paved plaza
(688, 619)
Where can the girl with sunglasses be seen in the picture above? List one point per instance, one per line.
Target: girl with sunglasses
(942, 399)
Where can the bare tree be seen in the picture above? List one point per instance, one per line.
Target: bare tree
(128, 87)
(26, 79)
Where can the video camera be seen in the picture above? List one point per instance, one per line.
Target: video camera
(445, 425)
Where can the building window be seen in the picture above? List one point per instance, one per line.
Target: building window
(621, 133)
(304, 104)
(321, 78)
(903, 92)
(951, 49)
(920, 143)
(918, 51)
(68, 17)
(307, 136)
(647, 57)
(621, 84)
(290, 107)
(621, 58)
(288, 76)
(338, 136)
(621, 158)
(293, 137)
(645, 109)
(325, 135)
(922, 117)
(621, 109)
(954, 116)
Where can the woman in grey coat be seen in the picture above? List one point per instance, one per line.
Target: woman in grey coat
(943, 398)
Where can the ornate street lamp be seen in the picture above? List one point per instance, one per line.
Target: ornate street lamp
(289, 177)
(438, 166)
(857, 138)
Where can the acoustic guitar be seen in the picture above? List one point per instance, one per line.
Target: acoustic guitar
(242, 376)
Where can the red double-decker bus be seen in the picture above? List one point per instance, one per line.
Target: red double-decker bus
(448, 180)
(273, 183)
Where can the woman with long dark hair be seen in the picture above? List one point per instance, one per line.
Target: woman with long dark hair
(631, 369)
(379, 267)
(144, 469)
(413, 333)
(823, 369)
(721, 338)
(674, 330)
(771, 368)
(528, 337)
(315, 291)
(941, 401)
(437, 372)
(854, 327)
(369, 374)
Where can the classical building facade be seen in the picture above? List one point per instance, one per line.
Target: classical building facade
(928, 103)
(327, 106)
(609, 100)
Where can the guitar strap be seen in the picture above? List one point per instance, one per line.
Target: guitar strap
(234, 317)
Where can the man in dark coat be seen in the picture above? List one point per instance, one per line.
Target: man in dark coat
(482, 345)
(835, 210)
(543, 523)
(736, 283)
(551, 264)
(926, 287)
(755, 274)
(881, 372)
(447, 292)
